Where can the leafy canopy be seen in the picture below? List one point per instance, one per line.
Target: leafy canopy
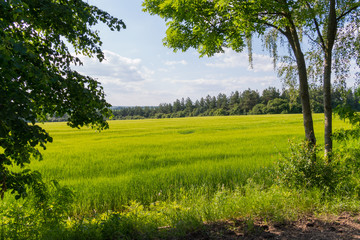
(211, 26)
(36, 79)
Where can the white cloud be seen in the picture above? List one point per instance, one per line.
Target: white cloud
(115, 69)
(129, 82)
(232, 59)
(172, 63)
(201, 87)
(125, 80)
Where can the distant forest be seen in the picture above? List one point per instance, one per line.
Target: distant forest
(271, 101)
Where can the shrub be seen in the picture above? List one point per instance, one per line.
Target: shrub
(305, 168)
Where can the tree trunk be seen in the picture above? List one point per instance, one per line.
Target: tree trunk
(294, 41)
(305, 100)
(330, 40)
(327, 106)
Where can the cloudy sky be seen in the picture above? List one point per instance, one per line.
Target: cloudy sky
(140, 71)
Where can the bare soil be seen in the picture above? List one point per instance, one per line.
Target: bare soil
(344, 226)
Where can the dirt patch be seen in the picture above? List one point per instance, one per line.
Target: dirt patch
(345, 226)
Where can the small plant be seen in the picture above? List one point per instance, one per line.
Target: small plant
(305, 168)
(41, 215)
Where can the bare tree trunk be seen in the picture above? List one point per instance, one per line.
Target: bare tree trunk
(330, 40)
(305, 100)
(294, 41)
(327, 106)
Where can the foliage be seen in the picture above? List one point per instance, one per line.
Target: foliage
(36, 79)
(37, 217)
(305, 168)
(339, 42)
(271, 101)
(175, 219)
(348, 113)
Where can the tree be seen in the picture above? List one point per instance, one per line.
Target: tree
(249, 98)
(334, 30)
(36, 79)
(277, 105)
(177, 106)
(234, 98)
(222, 101)
(211, 26)
(202, 105)
(317, 96)
(188, 105)
(259, 108)
(268, 94)
(182, 104)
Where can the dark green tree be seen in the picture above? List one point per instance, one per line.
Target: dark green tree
(234, 98)
(317, 103)
(249, 98)
(36, 79)
(177, 106)
(202, 105)
(259, 108)
(277, 105)
(208, 102)
(182, 104)
(222, 101)
(188, 105)
(269, 93)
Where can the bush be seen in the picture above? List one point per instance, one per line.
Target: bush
(40, 216)
(305, 168)
(258, 109)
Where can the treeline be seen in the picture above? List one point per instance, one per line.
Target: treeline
(271, 101)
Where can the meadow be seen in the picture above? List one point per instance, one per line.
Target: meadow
(164, 159)
(168, 178)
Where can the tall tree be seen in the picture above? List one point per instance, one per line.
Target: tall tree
(222, 101)
(211, 26)
(269, 93)
(177, 106)
(234, 98)
(188, 105)
(327, 19)
(36, 79)
(249, 98)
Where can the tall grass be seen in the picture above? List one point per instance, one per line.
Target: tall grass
(162, 179)
(160, 160)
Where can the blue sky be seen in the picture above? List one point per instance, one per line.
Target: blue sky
(140, 71)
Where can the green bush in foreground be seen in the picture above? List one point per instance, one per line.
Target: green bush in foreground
(306, 168)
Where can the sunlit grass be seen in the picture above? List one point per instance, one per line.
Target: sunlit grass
(159, 159)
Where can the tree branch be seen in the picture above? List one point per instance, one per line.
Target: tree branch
(313, 40)
(322, 42)
(276, 27)
(347, 12)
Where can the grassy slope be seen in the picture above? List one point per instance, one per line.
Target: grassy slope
(150, 160)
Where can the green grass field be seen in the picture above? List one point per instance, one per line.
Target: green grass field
(160, 159)
(160, 178)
